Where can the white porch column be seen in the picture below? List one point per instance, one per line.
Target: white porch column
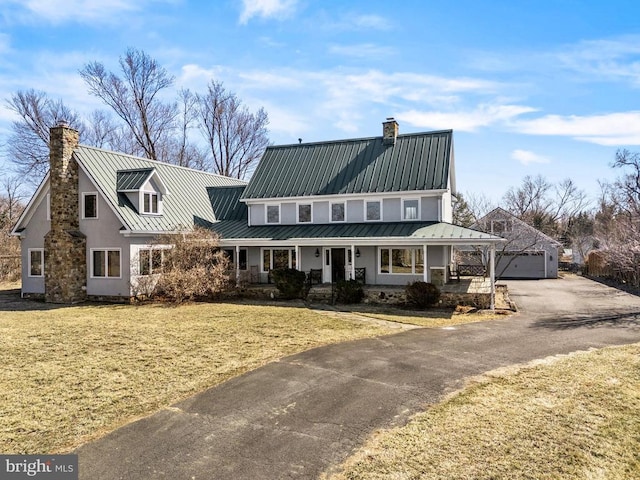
(353, 262)
(425, 273)
(492, 275)
(237, 262)
(298, 258)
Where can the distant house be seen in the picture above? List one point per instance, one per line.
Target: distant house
(377, 209)
(527, 253)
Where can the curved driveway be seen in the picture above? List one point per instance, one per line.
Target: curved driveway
(304, 414)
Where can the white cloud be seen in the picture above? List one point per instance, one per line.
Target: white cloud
(621, 128)
(363, 50)
(464, 120)
(615, 58)
(266, 9)
(526, 157)
(373, 22)
(79, 10)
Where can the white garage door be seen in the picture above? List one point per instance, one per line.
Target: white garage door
(521, 265)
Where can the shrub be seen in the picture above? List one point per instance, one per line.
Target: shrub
(291, 283)
(422, 294)
(349, 291)
(193, 268)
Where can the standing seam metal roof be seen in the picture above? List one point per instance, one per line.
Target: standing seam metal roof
(188, 203)
(418, 161)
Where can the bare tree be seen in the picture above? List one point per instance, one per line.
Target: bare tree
(11, 207)
(135, 98)
(236, 137)
(617, 221)
(179, 148)
(28, 142)
(545, 206)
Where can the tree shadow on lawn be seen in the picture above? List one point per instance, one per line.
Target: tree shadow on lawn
(617, 319)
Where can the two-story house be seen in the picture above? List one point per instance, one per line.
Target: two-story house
(377, 209)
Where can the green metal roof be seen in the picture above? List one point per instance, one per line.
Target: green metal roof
(187, 203)
(128, 180)
(434, 231)
(226, 203)
(419, 161)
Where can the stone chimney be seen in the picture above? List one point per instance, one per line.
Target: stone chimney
(389, 131)
(65, 247)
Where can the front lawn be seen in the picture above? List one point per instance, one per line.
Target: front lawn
(571, 417)
(70, 374)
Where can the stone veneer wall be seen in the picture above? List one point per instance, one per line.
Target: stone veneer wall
(65, 247)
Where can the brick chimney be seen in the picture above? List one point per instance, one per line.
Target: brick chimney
(65, 247)
(389, 131)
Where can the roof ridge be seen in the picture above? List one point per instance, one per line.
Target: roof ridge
(158, 162)
(358, 139)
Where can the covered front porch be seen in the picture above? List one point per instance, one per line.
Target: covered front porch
(373, 254)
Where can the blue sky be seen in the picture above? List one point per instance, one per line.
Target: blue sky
(544, 87)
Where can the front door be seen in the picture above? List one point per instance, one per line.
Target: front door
(337, 264)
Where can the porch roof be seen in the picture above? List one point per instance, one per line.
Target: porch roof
(237, 232)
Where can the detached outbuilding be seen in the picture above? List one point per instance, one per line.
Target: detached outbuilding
(528, 253)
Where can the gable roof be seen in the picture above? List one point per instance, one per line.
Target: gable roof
(520, 237)
(130, 180)
(189, 199)
(419, 161)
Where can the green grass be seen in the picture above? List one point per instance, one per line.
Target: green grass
(571, 417)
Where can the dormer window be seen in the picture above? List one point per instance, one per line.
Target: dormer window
(143, 188)
(150, 203)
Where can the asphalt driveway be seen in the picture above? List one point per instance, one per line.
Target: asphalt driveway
(303, 415)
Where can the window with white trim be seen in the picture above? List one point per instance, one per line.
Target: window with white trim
(105, 263)
(275, 258)
(410, 209)
(402, 261)
(89, 205)
(372, 210)
(150, 260)
(150, 203)
(272, 214)
(304, 212)
(36, 262)
(242, 257)
(338, 212)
